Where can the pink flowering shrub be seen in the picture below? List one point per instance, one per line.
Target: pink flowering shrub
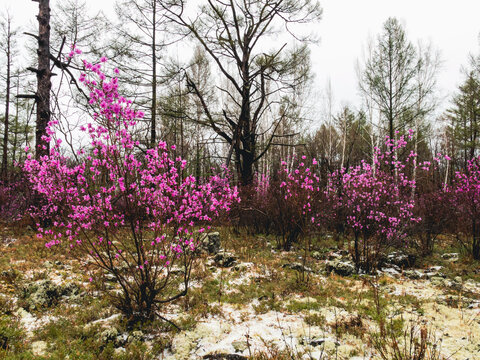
(467, 203)
(376, 202)
(282, 204)
(128, 209)
(299, 201)
(373, 202)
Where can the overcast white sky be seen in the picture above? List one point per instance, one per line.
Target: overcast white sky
(452, 26)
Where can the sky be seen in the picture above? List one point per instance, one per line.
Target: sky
(451, 26)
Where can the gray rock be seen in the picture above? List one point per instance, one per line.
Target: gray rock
(437, 281)
(432, 272)
(340, 254)
(401, 259)
(474, 305)
(109, 335)
(240, 345)
(298, 267)
(391, 271)
(121, 339)
(45, 293)
(453, 257)
(109, 286)
(119, 351)
(225, 357)
(413, 274)
(429, 275)
(110, 277)
(225, 259)
(211, 242)
(340, 267)
(105, 323)
(319, 341)
(176, 270)
(242, 267)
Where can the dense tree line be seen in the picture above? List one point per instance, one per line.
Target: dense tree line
(231, 83)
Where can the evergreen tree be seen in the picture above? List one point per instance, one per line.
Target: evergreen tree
(465, 118)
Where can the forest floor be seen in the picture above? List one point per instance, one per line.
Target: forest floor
(268, 304)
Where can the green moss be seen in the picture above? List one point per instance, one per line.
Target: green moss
(11, 335)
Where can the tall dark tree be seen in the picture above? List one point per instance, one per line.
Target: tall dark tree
(235, 34)
(44, 83)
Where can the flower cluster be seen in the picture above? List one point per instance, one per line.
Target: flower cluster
(302, 184)
(121, 204)
(373, 201)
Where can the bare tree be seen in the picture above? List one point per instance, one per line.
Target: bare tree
(235, 34)
(399, 79)
(140, 43)
(7, 41)
(388, 76)
(425, 84)
(72, 21)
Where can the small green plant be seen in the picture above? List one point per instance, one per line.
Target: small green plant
(413, 342)
(348, 325)
(315, 319)
(394, 340)
(11, 336)
(11, 276)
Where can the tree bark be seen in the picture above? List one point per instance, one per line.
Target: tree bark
(153, 129)
(44, 84)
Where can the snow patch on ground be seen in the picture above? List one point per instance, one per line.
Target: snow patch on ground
(30, 323)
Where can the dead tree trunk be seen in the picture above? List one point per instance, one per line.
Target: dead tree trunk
(153, 128)
(44, 84)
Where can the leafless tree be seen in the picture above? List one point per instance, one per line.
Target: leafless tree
(235, 34)
(7, 47)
